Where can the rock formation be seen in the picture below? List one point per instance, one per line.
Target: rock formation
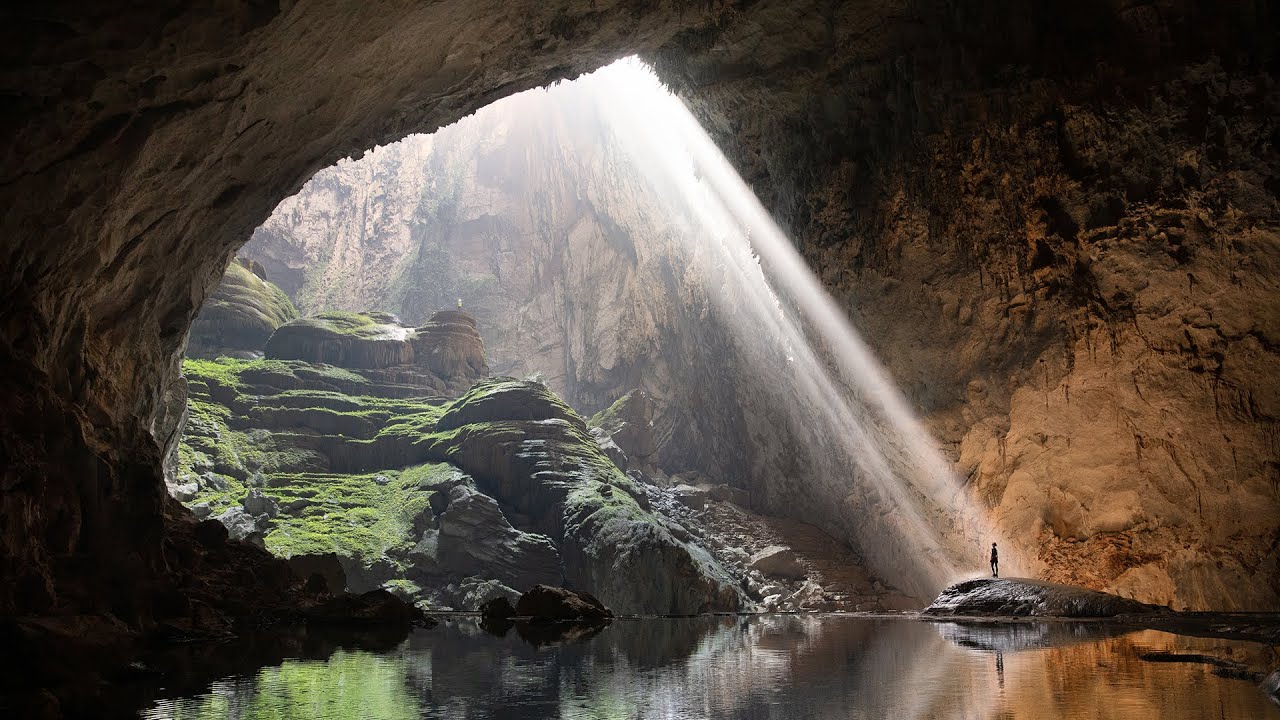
(240, 314)
(1020, 597)
(448, 501)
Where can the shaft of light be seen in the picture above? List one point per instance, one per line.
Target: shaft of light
(918, 529)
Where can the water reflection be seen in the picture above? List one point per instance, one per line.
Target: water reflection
(756, 668)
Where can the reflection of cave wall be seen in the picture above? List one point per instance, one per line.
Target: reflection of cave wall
(913, 147)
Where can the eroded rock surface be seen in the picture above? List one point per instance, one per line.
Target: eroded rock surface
(241, 313)
(1022, 597)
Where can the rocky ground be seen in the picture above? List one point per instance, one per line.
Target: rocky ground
(381, 456)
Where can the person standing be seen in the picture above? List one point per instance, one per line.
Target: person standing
(995, 561)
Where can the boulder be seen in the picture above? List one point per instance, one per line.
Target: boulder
(498, 608)
(243, 526)
(1022, 597)
(186, 492)
(450, 346)
(376, 607)
(779, 562)
(545, 603)
(256, 504)
(694, 498)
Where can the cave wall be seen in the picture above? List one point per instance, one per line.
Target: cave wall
(1057, 226)
(911, 147)
(145, 144)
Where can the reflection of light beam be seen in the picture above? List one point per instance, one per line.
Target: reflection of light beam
(911, 516)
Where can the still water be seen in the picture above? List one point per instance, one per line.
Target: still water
(781, 666)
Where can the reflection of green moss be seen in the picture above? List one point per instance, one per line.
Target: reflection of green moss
(347, 685)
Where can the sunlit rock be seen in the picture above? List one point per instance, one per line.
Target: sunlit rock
(777, 561)
(241, 313)
(450, 346)
(351, 340)
(1024, 597)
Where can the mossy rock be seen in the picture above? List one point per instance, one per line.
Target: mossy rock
(504, 398)
(345, 339)
(240, 314)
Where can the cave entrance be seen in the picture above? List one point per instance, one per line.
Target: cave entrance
(557, 333)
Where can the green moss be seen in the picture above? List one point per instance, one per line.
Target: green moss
(353, 515)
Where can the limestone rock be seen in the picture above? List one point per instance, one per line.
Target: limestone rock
(546, 603)
(629, 422)
(243, 526)
(1017, 597)
(533, 453)
(350, 340)
(777, 561)
(256, 504)
(450, 346)
(241, 313)
(609, 447)
(476, 539)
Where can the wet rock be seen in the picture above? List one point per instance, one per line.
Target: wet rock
(544, 603)
(1018, 597)
(472, 593)
(499, 608)
(777, 561)
(377, 607)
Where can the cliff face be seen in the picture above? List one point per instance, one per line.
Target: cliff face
(532, 215)
(1065, 253)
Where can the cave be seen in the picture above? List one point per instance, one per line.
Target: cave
(1055, 224)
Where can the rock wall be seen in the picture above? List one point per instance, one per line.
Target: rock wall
(1058, 229)
(145, 144)
(533, 216)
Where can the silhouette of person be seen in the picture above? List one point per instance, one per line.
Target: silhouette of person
(1000, 667)
(995, 561)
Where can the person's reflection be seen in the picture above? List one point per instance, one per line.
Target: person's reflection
(1000, 668)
